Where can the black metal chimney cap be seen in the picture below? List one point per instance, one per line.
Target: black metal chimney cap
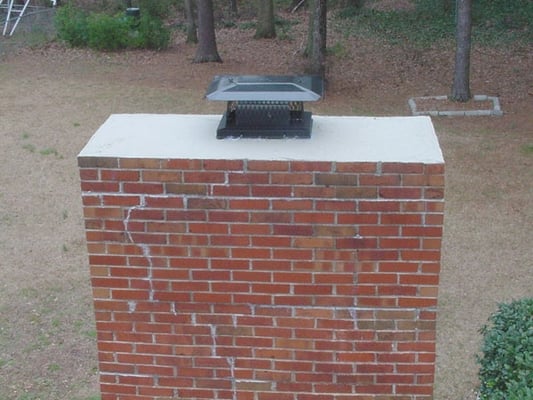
(265, 88)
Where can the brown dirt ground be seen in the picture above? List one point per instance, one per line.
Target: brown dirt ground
(52, 99)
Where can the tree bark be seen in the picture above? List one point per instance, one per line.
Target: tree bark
(461, 80)
(266, 28)
(317, 47)
(206, 51)
(233, 8)
(192, 37)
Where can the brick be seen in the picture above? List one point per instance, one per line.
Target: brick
(396, 290)
(414, 302)
(88, 200)
(336, 179)
(223, 165)
(229, 240)
(400, 193)
(97, 162)
(335, 205)
(377, 255)
(249, 204)
(312, 242)
(100, 187)
(359, 167)
(293, 230)
(314, 218)
(433, 193)
(180, 164)
(414, 389)
(405, 168)
(380, 180)
(306, 166)
(376, 278)
(313, 192)
(119, 175)
(247, 178)
(207, 203)
(98, 236)
(433, 219)
(401, 219)
(421, 255)
(250, 253)
(271, 191)
(186, 189)
(166, 227)
(228, 216)
(259, 165)
(383, 205)
(143, 188)
(230, 191)
(250, 229)
(89, 174)
(422, 231)
(292, 254)
(399, 243)
(352, 218)
(434, 169)
(125, 201)
(139, 163)
(380, 230)
(271, 241)
(230, 264)
(207, 228)
(289, 204)
(367, 192)
(158, 175)
(334, 230)
(204, 177)
(356, 243)
(186, 215)
(291, 179)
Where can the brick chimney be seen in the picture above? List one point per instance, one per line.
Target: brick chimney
(284, 269)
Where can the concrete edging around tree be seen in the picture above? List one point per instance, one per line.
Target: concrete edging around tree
(494, 111)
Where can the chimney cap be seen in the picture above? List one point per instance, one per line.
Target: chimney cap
(265, 88)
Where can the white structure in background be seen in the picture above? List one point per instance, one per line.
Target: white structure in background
(15, 11)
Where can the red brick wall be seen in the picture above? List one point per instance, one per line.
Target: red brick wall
(263, 280)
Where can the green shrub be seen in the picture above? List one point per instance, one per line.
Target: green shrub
(151, 34)
(71, 25)
(106, 32)
(506, 365)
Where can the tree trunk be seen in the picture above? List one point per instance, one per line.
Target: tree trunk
(461, 80)
(206, 51)
(233, 8)
(318, 36)
(192, 37)
(266, 28)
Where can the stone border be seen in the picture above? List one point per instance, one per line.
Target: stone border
(495, 111)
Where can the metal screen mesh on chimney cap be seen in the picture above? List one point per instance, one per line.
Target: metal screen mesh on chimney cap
(265, 106)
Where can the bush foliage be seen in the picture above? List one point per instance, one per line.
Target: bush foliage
(506, 365)
(102, 31)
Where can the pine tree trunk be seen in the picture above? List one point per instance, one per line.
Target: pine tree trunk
(192, 37)
(233, 8)
(318, 38)
(266, 28)
(206, 51)
(461, 80)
